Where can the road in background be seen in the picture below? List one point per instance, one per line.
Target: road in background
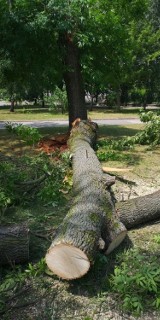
(58, 123)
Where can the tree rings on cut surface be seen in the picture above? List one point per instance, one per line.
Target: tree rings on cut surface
(67, 261)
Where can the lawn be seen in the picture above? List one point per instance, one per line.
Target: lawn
(30, 113)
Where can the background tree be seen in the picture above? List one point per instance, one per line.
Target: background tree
(29, 63)
(102, 45)
(146, 57)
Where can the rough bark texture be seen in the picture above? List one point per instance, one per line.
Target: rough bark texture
(12, 105)
(92, 218)
(14, 244)
(139, 210)
(73, 80)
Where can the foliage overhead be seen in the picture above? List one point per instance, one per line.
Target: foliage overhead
(118, 43)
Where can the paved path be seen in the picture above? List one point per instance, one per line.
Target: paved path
(57, 123)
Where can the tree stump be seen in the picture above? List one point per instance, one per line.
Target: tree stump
(14, 244)
(91, 223)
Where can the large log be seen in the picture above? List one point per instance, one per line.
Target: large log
(139, 210)
(14, 244)
(91, 222)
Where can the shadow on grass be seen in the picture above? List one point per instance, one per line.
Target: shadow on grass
(105, 131)
(118, 131)
(113, 111)
(123, 110)
(11, 145)
(53, 130)
(24, 107)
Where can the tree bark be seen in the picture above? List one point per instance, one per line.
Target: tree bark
(14, 244)
(12, 105)
(139, 210)
(73, 79)
(42, 100)
(118, 99)
(91, 222)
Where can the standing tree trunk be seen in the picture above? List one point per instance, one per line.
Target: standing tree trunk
(91, 222)
(42, 100)
(73, 79)
(118, 99)
(12, 105)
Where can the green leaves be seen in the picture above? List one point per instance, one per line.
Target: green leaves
(136, 280)
(28, 134)
(58, 100)
(150, 135)
(31, 178)
(36, 269)
(68, 16)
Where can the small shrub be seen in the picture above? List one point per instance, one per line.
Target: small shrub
(156, 238)
(4, 200)
(14, 280)
(11, 282)
(136, 280)
(111, 156)
(36, 269)
(150, 135)
(58, 100)
(28, 134)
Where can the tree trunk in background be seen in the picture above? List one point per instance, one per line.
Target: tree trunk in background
(124, 94)
(91, 222)
(42, 100)
(118, 99)
(14, 244)
(139, 210)
(12, 105)
(73, 80)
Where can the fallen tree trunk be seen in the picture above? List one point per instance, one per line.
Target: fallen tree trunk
(91, 223)
(14, 244)
(139, 210)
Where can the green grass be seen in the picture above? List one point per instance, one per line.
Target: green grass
(119, 131)
(30, 113)
(9, 144)
(103, 131)
(84, 295)
(19, 115)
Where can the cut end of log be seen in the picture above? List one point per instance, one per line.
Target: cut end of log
(111, 169)
(116, 242)
(67, 262)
